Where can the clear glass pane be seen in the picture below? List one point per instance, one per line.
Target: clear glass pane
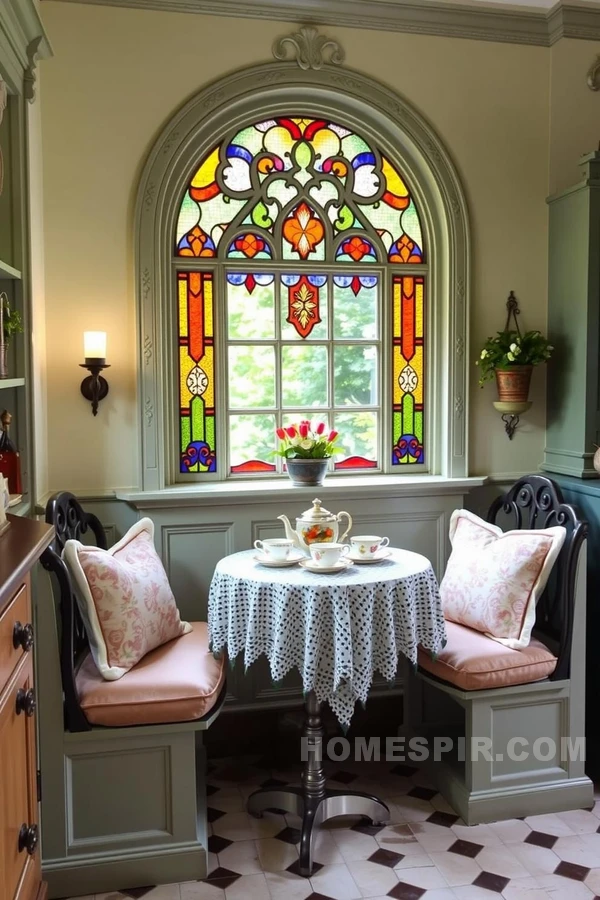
(355, 307)
(355, 375)
(303, 307)
(251, 376)
(359, 437)
(251, 442)
(304, 376)
(251, 313)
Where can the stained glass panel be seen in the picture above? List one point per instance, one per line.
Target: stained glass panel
(303, 307)
(408, 369)
(196, 372)
(334, 195)
(267, 208)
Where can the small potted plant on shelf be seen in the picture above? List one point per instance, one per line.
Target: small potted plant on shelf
(10, 324)
(307, 450)
(510, 357)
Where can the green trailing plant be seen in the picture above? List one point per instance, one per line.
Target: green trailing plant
(509, 348)
(11, 320)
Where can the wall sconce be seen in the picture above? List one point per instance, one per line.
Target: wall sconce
(94, 388)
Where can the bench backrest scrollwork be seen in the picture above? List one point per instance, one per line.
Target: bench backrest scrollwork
(70, 522)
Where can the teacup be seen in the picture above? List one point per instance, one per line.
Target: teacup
(276, 549)
(365, 546)
(327, 554)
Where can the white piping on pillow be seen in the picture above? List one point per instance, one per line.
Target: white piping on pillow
(87, 606)
(494, 578)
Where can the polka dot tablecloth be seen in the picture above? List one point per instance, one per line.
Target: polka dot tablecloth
(337, 630)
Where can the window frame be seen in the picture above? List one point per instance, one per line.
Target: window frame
(383, 118)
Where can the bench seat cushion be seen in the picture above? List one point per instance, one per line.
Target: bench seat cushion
(177, 682)
(473, 662)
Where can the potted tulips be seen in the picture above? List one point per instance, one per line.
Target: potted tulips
(307, 451)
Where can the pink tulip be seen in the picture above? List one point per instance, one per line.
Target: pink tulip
(332, 436)
(303, 429)
(320, 428)
(280, 434)
(291, 431)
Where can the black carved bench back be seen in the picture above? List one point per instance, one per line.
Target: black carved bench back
(70, 522)
(537, 502)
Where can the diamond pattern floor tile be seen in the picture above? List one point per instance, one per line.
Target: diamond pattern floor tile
(425, 852)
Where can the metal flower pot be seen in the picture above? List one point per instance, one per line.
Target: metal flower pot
(307, 472)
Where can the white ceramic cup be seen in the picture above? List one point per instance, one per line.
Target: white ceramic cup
(365, 546)
(327, 554)
(275, 548)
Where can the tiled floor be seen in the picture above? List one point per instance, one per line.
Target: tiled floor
(427, 852)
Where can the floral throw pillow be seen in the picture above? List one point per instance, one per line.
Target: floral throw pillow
(494, 578)
(124, 598)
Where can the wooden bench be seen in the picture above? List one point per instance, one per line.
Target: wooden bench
(124, 800)
(479, 690)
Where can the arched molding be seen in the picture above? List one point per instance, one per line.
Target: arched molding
(399, 130)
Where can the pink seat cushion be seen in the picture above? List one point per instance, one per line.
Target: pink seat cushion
(177, 682)
(474, 662)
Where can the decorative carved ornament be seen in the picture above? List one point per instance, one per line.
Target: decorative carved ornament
(33, 51)
(309, 48)
(593, 81)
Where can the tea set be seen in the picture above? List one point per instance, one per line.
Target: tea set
(315, 546)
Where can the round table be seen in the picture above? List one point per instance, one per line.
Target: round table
(337, 630)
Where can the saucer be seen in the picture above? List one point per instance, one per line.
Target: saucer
(292, 559)
(342, 564)
(383, 553)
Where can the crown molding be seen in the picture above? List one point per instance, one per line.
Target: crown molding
(573, 20)
(22, 42)
(491, 22)
(485, 22)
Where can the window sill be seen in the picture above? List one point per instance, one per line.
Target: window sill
(355, 487)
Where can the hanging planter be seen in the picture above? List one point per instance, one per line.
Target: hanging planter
(509, 357)
(513, 384)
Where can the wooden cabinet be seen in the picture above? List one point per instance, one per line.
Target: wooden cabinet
(20, 868)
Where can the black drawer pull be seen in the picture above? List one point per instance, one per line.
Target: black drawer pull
(28, 838)
(23, 636)
(26, 702)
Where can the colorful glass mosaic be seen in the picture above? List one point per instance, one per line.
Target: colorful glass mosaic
(408, 369)
(196, 372)
(262, 207)
(299, 189)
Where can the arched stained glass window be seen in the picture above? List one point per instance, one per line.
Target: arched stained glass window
(301, 285)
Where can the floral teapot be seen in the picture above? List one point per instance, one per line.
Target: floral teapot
(315, 525)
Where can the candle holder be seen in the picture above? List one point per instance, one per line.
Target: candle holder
(94, 388)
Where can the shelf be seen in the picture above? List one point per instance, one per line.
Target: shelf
(11, 382)
(7, 271)
(21, 509)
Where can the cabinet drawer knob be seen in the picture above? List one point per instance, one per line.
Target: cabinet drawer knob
(23, 636)
(26, 702)
(28, 838)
